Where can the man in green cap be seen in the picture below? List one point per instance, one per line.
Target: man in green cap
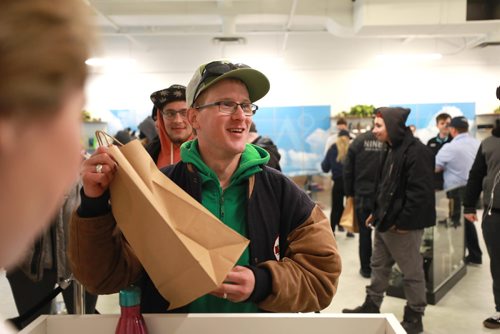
(291, 264)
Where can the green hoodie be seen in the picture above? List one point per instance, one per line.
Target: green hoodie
(230, 207)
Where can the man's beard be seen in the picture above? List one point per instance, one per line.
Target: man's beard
(179, 141)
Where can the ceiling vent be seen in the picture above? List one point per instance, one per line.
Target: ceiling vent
(229, 40)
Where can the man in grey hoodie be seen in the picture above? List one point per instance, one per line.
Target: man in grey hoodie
(404, 206)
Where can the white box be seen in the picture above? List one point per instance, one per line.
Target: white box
(310, 323)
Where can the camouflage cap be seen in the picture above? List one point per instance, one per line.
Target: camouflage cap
(167, 95)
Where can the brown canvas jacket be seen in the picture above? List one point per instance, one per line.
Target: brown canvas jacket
(305, 278)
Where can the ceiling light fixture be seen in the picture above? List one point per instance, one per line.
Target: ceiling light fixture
(229, 40)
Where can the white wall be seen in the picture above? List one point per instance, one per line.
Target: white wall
(371, 84)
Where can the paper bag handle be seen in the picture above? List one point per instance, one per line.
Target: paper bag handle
(103, 137)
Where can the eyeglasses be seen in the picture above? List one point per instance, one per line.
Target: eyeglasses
(171, 114)
(216, 69)
(230, 107)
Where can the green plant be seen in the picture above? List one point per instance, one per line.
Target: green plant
(86, 117)
(359, 110)
(362, 110)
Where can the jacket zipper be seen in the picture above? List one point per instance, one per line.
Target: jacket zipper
(221, 202)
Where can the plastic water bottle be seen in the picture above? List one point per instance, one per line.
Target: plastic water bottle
(131, 320)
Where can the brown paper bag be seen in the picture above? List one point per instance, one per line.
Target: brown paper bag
(185, 249)
(349, 220)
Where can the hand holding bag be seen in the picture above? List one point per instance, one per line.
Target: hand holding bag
(183, 247)
(349, 220)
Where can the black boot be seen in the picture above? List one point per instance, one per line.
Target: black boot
(368, 307)
(412, 321)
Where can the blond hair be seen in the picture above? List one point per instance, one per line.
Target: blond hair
(342, 147)
(43, 48)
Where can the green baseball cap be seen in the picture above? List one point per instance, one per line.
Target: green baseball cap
(209, 74)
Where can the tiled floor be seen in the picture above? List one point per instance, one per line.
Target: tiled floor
(461, 311)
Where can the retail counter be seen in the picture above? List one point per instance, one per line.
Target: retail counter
(310, 323)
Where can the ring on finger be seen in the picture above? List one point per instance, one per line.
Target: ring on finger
(225, 295)
(98, 168)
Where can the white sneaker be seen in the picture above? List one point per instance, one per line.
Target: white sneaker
(493, 322)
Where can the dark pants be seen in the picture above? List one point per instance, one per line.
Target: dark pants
(471, 240)
(27, 293)
(491, 234)
(337, 202)
(363, 207)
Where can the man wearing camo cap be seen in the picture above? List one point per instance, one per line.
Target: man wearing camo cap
(171, 124)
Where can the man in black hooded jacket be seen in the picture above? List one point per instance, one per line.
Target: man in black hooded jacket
(404, 206)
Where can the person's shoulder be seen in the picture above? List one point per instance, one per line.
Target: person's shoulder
(175, 168)
(359, 141)
(474, 140)
(492, 139)
(419, 154)
(274, 176)
(272, 173)
(359, 138)
(433, 140)
(264, 140)
(332, 149)
(415, 145)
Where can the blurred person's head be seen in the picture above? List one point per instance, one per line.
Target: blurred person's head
(44, 45)
(496, 130)
(123, 136)
(171, 113)
(458, 125)
(252, 133)
(147, 129)
(220, 96)
(442, 121)
(342, 124)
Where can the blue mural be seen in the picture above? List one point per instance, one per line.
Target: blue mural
(423, 116)
(119, 119)
(300, 134)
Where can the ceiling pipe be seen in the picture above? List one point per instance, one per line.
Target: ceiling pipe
(207, 32)
(228, 18)
(288, 26)
(115, 26)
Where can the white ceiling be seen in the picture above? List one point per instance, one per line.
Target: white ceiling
(169, 36)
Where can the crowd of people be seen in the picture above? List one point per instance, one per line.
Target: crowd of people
(202, 137)
(387, 171)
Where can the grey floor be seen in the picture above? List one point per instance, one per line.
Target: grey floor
(461, 311)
